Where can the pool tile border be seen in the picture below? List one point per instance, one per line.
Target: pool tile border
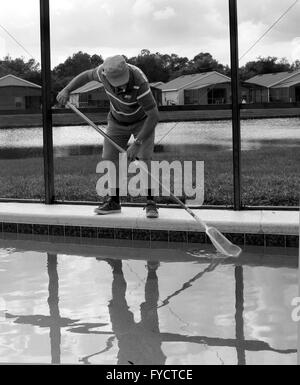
(25, 228)
(275, 240)
(236, 238)
(63, 233)
(141, 235)
(292, 241)
(73, 231)
(9, 227)
(40, 229)
(255, 240)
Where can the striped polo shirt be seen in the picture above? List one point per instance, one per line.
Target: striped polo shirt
(128, 106)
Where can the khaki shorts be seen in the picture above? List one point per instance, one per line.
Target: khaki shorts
(121, 134)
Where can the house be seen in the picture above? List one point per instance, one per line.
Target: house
(201, 88)
(19, 94)
(274, 87)
(156, 84)
(93, 94)
(157, 92)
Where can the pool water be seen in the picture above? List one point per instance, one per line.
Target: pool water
(134, 305)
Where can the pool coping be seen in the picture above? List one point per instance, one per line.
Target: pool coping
(247, 227)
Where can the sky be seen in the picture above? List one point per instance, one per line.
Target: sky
(186, 28)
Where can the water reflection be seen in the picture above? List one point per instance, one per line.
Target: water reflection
(139, 342)
(239, 319)
(53, 300)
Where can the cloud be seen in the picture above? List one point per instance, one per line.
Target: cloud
(108, 9)
(296, 49)
(2, 44)
(167, 26)
(164, 14)
(142, 8)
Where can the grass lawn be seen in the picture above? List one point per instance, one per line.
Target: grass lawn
(270, 176)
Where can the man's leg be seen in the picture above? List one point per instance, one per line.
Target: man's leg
(120, 135)
(145, 154)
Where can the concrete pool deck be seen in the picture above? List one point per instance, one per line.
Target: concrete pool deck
(253, 227)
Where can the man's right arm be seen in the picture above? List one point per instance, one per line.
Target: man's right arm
(78, 81)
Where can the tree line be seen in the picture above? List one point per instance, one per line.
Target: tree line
(156, 66)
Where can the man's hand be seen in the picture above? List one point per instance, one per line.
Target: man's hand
(132, 152)
(63, 97)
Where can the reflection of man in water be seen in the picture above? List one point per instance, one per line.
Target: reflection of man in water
(139, 343)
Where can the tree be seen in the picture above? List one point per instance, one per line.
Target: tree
(151, 64)
(174, 64)
(28, 70)
(96, 60)
(295, 65)
(270, 64)
(77, 63)
(72, 66)
(204, 62)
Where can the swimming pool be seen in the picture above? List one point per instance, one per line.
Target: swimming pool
(129, 304)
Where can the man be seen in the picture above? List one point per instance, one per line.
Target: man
(133, 111)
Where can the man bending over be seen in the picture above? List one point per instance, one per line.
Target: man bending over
(133, 111)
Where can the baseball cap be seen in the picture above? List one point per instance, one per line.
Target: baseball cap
(116, 70)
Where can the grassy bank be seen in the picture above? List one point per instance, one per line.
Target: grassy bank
(270, 176)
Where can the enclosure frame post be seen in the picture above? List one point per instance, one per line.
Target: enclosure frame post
(46, 102)
(235, 84)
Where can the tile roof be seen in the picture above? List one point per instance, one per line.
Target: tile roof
(207, 83)
(90, 86)
(195, 81)
(14, 81)
(268, 80)
(156, 84)
(289, 82)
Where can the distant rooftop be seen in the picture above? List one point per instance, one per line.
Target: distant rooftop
(94, 84)
(195, 81)
(14, 81)
(268, 80)
(157, 84)
(88, 87)
(289, 82)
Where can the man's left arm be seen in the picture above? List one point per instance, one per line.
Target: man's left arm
(148, 103)
(149, 124)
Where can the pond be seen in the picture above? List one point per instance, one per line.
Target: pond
(211, 136)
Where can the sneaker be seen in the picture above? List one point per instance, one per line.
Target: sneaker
(151, 210)
(109, 207)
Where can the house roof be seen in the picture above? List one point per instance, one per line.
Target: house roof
(288, 83)
(14, 81)
(156, 84)
(207, 84)
(88, 87)
(94, 84)
(273, 79)
(195, 81)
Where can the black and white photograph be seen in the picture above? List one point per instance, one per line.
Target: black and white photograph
(149, 185)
